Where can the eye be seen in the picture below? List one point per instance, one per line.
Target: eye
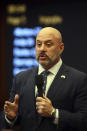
(49, 44)
(38, 44)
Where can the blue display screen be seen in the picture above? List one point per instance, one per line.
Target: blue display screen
(24, 48)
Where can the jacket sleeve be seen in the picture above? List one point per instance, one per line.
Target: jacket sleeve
(14, 90)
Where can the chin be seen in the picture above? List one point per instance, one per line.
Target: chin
(44, 64)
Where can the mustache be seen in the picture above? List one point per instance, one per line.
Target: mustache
(43, 54)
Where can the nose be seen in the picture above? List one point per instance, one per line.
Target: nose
(43, 48)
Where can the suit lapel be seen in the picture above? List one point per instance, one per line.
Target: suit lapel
(29, 91)
(58, 82)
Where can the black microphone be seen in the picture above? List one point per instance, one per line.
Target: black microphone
(39, 81)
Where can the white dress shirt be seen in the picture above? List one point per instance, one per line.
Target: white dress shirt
(53, 71)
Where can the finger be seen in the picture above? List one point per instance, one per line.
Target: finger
(6, 109)
(40, 107)
(44, 96)
(39, 111)
(39, 99)
(6, 113)
(40, 103)
(5, 106)
(47, 99)
(7, 102)
(16, 99)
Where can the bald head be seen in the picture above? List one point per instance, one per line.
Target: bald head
(51, 31)
(49, 47)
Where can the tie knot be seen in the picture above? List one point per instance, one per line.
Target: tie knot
(45, 73)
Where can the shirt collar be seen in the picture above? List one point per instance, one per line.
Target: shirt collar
(53, 69)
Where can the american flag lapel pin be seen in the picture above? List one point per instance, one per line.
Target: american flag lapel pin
(63, 76)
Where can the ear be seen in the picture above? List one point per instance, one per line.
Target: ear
(61, 48)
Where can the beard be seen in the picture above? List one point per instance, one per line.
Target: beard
(42, 54)
(47, 61)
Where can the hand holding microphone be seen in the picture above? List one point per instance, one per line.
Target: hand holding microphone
(43, 104)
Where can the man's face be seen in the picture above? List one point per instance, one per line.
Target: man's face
(47, 50)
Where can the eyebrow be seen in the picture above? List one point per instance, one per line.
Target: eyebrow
(45, 41)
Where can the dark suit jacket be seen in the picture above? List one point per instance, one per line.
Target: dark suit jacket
(68, 93)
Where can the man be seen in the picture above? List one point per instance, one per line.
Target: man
(63, 106)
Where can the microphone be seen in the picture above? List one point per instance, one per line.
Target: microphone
(39, 81)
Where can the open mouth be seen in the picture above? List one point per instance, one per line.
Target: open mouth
(42, 57)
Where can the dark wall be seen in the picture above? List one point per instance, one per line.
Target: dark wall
(3, 83)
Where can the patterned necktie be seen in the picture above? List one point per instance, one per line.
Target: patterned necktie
(45, 74)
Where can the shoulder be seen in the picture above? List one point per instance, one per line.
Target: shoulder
(26, 74)
(75, 73)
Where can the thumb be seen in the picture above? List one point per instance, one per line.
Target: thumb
(45, 97)
(16, 99)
